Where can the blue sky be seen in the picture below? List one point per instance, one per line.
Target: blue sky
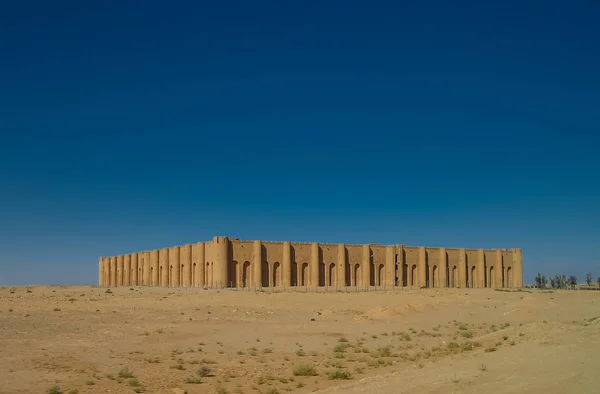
(130, 126)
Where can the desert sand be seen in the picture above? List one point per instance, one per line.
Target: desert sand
(156, 340)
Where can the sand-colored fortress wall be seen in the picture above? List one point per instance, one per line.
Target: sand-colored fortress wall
(233, 263)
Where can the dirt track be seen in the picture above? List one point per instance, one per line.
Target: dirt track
(428, 341)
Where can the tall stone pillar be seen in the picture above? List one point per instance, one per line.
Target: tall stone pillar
(422, 267)
(365, 266)
(154, 271)
(257, 259)
(113, 271)
(133, 270)
(174, 255)
(390, 266)
(462, 269)
(119, 271)
(163, 266)
(198, 264)
(106, 261)
(221, 261)
(498, 269)
(340, 269)
(480, 269)
(518, 268)
(144, 258)
(126, 268)
(185, 257)
(443, 267)
(101, 272)
(286, 264)
(400, 250)
(314, 264)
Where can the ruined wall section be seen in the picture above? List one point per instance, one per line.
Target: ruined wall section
(230, 262)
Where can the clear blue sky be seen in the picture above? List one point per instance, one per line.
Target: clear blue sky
(130, 126)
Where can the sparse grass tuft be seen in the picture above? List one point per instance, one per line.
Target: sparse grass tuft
(125, 373)
(467, 334)
(193, 380)
(304, 370)
(482, 367)
(204, 372)
(339, 375)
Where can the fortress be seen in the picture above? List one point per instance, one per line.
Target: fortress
(230, 262)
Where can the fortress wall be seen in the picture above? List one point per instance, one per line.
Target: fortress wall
(328, 260)
(453, 267)
(432, 259)
(271, 269)
(507, 269)
(378, 271)
(490, 270)
(472, 268)
(411, 259)
(231, 262)
(353, 265)
(300, 258)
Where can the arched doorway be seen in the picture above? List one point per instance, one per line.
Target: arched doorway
(380, 275)
(473, 276)
(264, 280)
(233, 274)
(276, 272)
(509, 279)
(304, 275)
(455, 276)
(194, 275)
(332, 274)
(208, 275)
(413, 275)
(356, 274)
(294, 273)
(434, 280)
(245, 273)
(492, 279)
(322, 275)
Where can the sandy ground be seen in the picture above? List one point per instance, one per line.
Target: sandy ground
(86, 340)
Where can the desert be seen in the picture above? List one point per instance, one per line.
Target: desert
(85, 339)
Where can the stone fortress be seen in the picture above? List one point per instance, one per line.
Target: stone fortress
(233, 263)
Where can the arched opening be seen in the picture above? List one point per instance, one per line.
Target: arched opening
(322, 274)
(172, 276)
(492, 280)
(233, 274)
(356, 274)
(304, 275)
(208, 275)
(434, 279)
(473, 276)
(139, 277)
(181, 271)
(347, 274)
(151, 279)
(160, 277)
(455, 276)
(294, 273)
(413, 275)
(245, 273)
(332, 274)
(276, 272)
(264, 280)
(194, 275)
(372, 276)
(405, 275)
(380, 275)
(485, 273)
(509, 279)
